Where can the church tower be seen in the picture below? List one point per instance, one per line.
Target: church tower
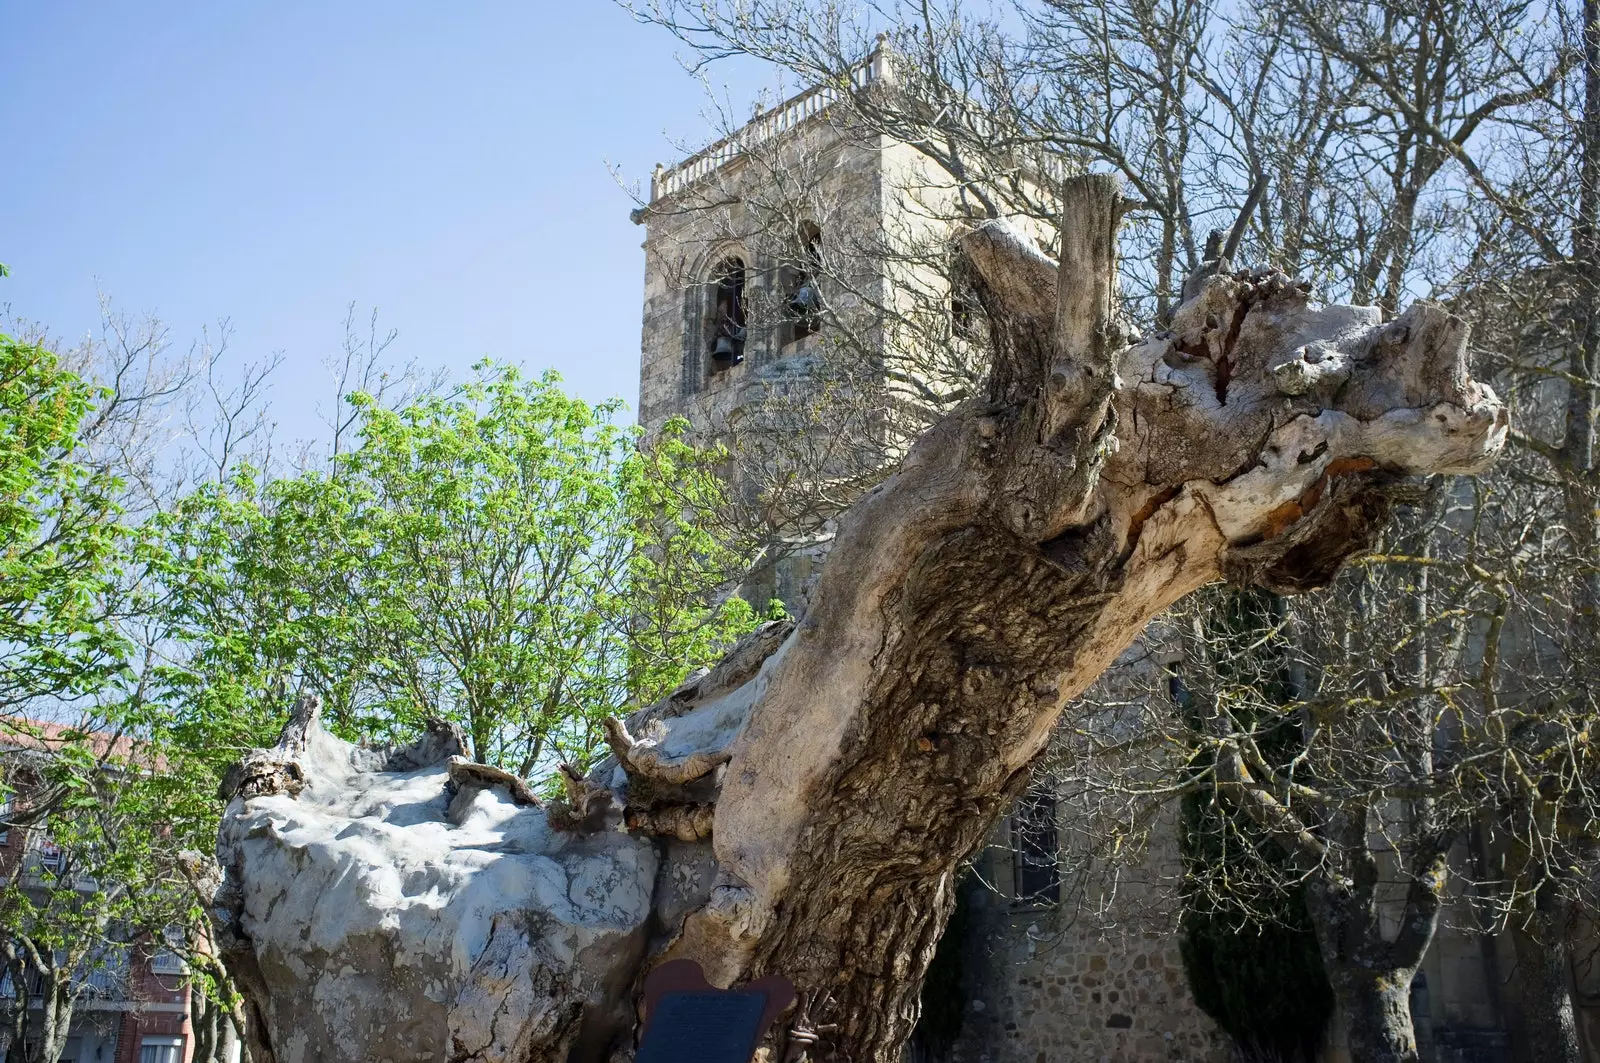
(776, 319)
(741, 240)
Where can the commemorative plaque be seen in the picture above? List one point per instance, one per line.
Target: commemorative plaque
(689, 1020)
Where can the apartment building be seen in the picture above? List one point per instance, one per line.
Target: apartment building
(132, 996)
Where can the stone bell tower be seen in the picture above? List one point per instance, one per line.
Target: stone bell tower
(799, 301)
(757, 280)
(734, 283)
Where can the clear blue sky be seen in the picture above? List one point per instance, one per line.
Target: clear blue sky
(272, 162)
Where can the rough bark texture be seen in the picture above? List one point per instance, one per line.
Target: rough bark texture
(846, 766)
(1370, 972)
(1546, 1022)
(1377, 1010)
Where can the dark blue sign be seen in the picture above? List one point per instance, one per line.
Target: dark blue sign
(688, 1020)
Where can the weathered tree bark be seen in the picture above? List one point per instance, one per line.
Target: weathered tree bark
(1543, 980)
(373, 907)
(1377, 1010)
(1370, 972)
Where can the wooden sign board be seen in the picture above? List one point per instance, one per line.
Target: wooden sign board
(689, 1020)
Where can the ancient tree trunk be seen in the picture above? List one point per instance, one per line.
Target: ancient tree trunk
(1376, 1006)
(802, 809)
(1543, 981)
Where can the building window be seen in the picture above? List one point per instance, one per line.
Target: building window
(103, 975)
(5, 820)
(727, 317)
(102, 982)
(49, 854)
(1034, 849)
(160, 1050)
(166, 958)
(165, 961)
(804, 311)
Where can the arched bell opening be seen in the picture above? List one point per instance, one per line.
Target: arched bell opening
(728, 328)
(805, 293)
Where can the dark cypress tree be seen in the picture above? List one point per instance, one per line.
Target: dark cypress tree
(1251, 959)
(944, 996)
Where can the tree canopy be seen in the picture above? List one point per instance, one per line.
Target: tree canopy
(60, 536)
(502, 556)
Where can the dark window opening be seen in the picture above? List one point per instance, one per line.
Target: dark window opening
(728, 330)
(805, 296)
(1033, 847)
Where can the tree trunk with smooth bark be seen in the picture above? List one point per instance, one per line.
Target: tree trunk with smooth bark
(803, 809)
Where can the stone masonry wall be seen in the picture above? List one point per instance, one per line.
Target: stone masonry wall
(1065, 983)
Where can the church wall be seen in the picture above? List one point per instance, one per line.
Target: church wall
(1063, 983)
(1098, 977)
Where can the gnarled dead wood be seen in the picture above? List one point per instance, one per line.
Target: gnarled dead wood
(854, 761)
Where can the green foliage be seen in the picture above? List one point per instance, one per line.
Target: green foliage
(112, 885)
(1262, 981)
(60, 537)
(62, 563)
(108, 819)
(1250, 955)
(504, 556)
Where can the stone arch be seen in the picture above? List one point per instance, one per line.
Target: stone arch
(716, 308)
(803, 305)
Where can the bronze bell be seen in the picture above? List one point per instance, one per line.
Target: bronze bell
(725, 353)
(807, 302)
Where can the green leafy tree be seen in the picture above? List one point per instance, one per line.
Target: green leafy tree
(96, 883)
(98, 875)
(60, 536)
(503, 556)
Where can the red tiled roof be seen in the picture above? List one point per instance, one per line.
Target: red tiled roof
(48, 737)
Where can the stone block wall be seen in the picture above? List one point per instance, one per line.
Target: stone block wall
(1099, 977)
(1091, 979)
